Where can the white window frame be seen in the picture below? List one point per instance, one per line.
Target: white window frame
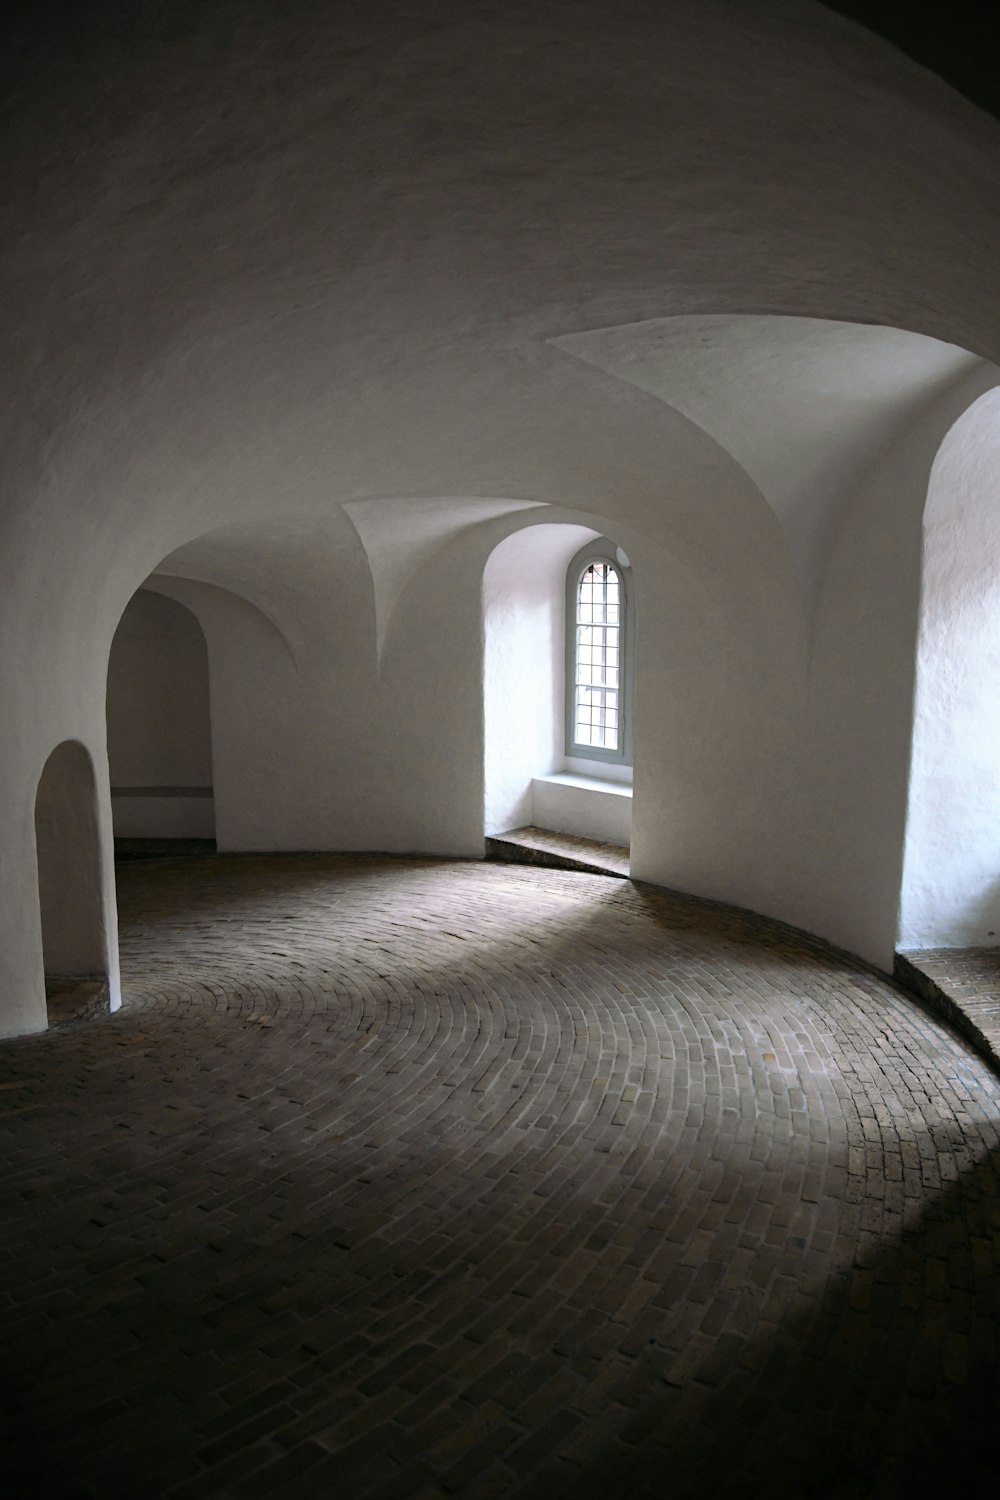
(603, 551)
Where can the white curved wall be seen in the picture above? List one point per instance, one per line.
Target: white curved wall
(319, 741)
(290, 308)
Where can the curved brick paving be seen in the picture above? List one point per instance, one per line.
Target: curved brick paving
(405, 1178)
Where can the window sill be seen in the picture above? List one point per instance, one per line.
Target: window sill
(597, 770)
(586, 783)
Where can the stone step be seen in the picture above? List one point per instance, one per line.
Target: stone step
(558, 851)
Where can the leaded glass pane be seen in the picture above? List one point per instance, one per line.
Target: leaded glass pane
(598, 625)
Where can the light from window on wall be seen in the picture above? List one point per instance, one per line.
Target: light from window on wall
(597, 696)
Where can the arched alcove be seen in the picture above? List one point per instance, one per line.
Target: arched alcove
(951, 873)
(70, 888)
(159, 725)
(526, 775)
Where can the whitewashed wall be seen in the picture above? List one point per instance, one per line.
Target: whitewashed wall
(243, 310)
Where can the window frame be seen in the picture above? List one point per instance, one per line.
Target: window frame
(603, 551)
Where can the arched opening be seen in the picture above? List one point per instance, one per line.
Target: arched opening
(159, 727)
(951, 873)
(70, 887)
(536, 782)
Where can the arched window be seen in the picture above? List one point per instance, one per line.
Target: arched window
(600, 638)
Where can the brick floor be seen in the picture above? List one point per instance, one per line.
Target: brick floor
(416, 1179)
(963, 984)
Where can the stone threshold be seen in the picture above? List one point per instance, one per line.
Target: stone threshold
(558, 851)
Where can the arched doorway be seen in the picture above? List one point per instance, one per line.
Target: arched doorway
(540, 788)
(75, 945)
(159, 727)
(951, 873)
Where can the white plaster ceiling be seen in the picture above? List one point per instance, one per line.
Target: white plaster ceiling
(400, 535)
(803, 405)
(287, 566)
(330, 254)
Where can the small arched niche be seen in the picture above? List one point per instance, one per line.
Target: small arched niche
(70, 886)
(159, 724)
